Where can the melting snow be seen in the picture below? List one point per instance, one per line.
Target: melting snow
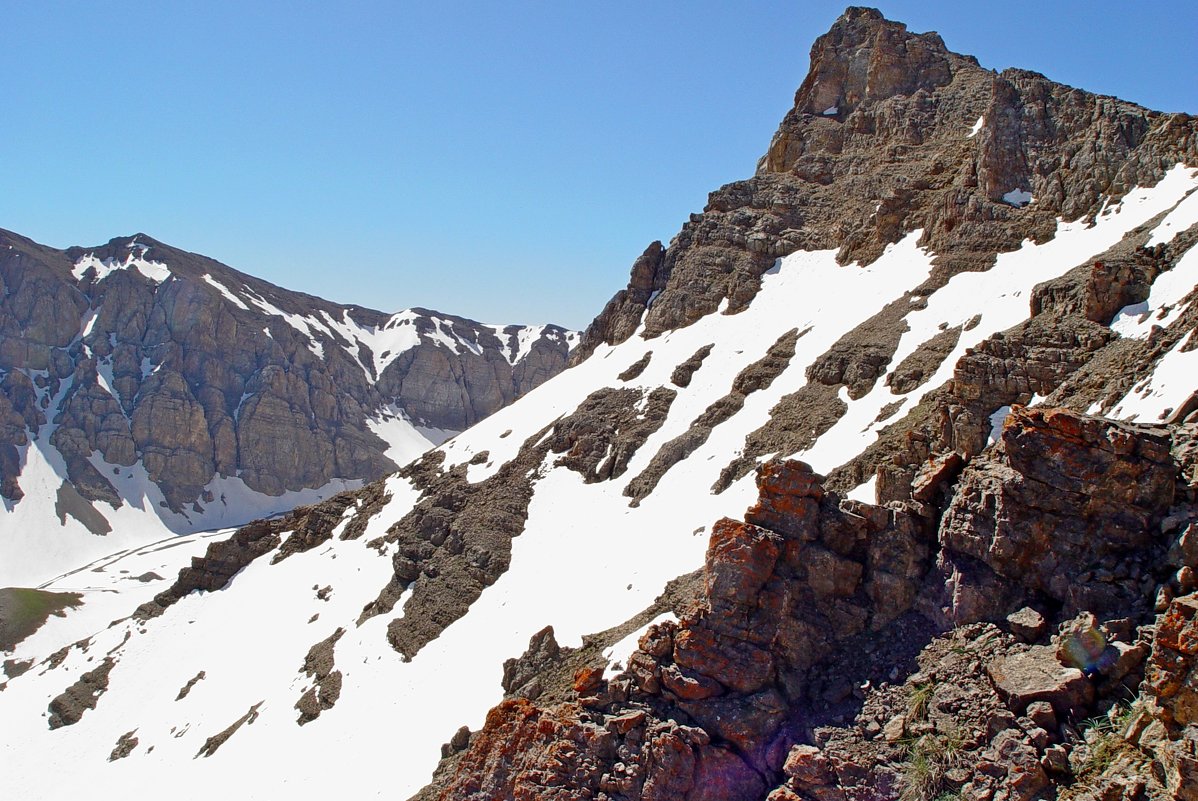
(236, 301)
(1171, 383)
(1165, 300)
(1018, 197)
(526, 337)
(405, 441)
(154, 270)
(1179, 219)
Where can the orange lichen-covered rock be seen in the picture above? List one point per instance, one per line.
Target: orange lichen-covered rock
(527, 753)
(1170, 674)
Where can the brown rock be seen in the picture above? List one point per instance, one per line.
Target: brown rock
(689, 686)
(1036, 675)
(587, 680)
(1169, 676)
(1027, 624)
(1028, 511)
(520, 674)
(812, 774)
(1042, 714)
(1179, 760)
(527, 752)
(935, 474)
(1025, 777)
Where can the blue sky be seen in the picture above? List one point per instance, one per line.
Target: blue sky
(503, 161)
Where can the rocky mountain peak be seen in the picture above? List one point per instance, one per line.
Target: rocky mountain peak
(865, 58)
(134, 368)
(951, 578)
(892, 133)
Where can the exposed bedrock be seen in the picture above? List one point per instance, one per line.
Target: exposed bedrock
(812, 596)
(197, 371)
(881, 142)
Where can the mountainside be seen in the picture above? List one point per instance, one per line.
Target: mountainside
(941, 347)
(145, 390)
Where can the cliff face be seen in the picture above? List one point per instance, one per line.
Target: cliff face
(138, 360)
(890, 133)
(985, 634)
(841, 650)
(967, 453)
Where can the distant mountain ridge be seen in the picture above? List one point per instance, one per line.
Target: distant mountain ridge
(135, 367)
(799, 523)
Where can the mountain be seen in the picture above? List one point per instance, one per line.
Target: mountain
(800, 522)
(146, 391)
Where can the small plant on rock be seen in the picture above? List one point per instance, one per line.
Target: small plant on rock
(1104, 739)
(920, 698)
(929, 758)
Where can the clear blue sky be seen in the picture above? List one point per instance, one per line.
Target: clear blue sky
(504, 161)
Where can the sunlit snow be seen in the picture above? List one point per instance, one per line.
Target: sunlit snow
(586, 560)
(1018, 197)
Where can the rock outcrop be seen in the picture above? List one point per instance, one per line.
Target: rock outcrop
(892, 132)
(136, 355)
(785, 680)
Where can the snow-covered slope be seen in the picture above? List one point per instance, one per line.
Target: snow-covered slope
(586, 559)
(874, 301)
(147, 391)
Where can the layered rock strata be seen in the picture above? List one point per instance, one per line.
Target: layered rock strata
(843, 650)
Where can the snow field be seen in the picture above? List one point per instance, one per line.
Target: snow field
(586, 560)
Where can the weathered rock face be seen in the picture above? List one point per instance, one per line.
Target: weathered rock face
(879, 144)
(752, 693)
(139, 353)
(807, 574)
(1067, 507)
(956, 640)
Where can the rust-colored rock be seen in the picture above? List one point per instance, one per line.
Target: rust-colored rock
(1032, 509)
(1036, 675)
(1169, 677)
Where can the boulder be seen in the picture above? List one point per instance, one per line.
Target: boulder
(1035, 674)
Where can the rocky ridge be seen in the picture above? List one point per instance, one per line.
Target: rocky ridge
(843, 650)
(139, 359)
(867, 76)
(879, 631)
(891, 132)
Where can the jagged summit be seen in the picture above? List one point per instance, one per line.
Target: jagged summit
(894, 345)
(865, 58)
(891, 133)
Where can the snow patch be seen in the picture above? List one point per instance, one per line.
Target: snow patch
(1018, 197)
(617, 654)
(1169, 386)
(1166, 300)
(154, 270)
(405, 441)
(866, 492)
(221, 288)
(1182, 217)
